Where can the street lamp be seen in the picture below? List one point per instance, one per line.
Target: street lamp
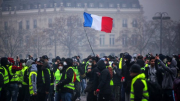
(161, 16)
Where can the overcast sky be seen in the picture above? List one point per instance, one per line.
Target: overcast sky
(172, 7)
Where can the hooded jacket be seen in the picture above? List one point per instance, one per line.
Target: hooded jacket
(104, 81)
(170, 73)
(43, 87)
(33, 68)
(68, 80)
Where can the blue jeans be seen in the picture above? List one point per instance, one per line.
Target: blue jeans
(14, 89)
(57, 96)
(83, 85)
(51, 93)
(66, 96)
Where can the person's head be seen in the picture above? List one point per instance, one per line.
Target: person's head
(68, 62)
(23, 62)
(45, 58)
(38, 61)
(135, 70)
(114, 64)
(169, 59)
(147, 61)
(152, 61)
(58, 59)
(4, 61)
(127, 58)
(140, 57)
(60, 66)
(106, 62)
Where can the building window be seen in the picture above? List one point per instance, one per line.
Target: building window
(78, 4)
(124, 5)
(134, 39)
(102, 38)
(91, 5)
(50, 22)
(68, 4)
(35, 23)
(110, 5)
(102, 55)
(27, 40)
(111, 40)
(21, 43)
(20, 25)
(124, 40)
(134, 23)
(27, 24)
(134, 5)
(5, 25)
(100, 5)
(124, 23)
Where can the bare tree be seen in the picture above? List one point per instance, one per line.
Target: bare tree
(70, 34)
(39, 42)
(140, 35)
(171, 37)
(11, 42)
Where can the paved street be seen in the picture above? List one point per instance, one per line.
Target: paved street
(83, 98)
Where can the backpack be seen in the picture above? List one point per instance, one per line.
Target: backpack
(111, 72)
(155, 91)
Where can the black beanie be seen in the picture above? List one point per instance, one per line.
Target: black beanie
(69, 61)
(135, 68)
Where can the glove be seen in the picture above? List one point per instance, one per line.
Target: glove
(97, 90)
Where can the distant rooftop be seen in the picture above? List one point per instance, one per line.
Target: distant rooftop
(35, 4)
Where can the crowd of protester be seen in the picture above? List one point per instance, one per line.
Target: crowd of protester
(109, 78)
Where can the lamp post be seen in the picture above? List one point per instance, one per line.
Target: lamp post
(161, 16)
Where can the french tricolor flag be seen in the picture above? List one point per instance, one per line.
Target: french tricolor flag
(100, 23)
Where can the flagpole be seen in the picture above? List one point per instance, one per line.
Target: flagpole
(89, 41)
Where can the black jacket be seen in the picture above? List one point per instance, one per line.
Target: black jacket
(138, 90)
(116, 76)
(158, 73)
(126, 73)
(42, 88)
(64, 81)
(90, 75)
(1, 80)
(104, 81)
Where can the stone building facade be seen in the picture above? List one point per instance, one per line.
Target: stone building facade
(30, 15)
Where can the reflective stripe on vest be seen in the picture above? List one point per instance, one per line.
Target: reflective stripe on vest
(77, 73)
(14, 75)
(43, 75)
(86, 66)
(142, 68)
(120, 63)
(3, 78)
(31, 92)
(146, 65)
(70, 85)
(21, 78)
(6, 77)
(145, 89)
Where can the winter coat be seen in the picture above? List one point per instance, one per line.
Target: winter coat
(158, 73)
(34, 77)
(169, 75)
(116, 76)
(104, 81)
(43, 87)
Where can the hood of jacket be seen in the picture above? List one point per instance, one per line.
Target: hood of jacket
(140, 62)
(34, 67)
(173, 63)
(4, 61)
(29, 63)
(101, 65)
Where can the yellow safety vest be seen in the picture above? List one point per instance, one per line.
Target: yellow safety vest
(70, 85)
(145, 89)
(14, 75)
(3, 77)
(31, 92)
(43, 75)
(6, 77)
